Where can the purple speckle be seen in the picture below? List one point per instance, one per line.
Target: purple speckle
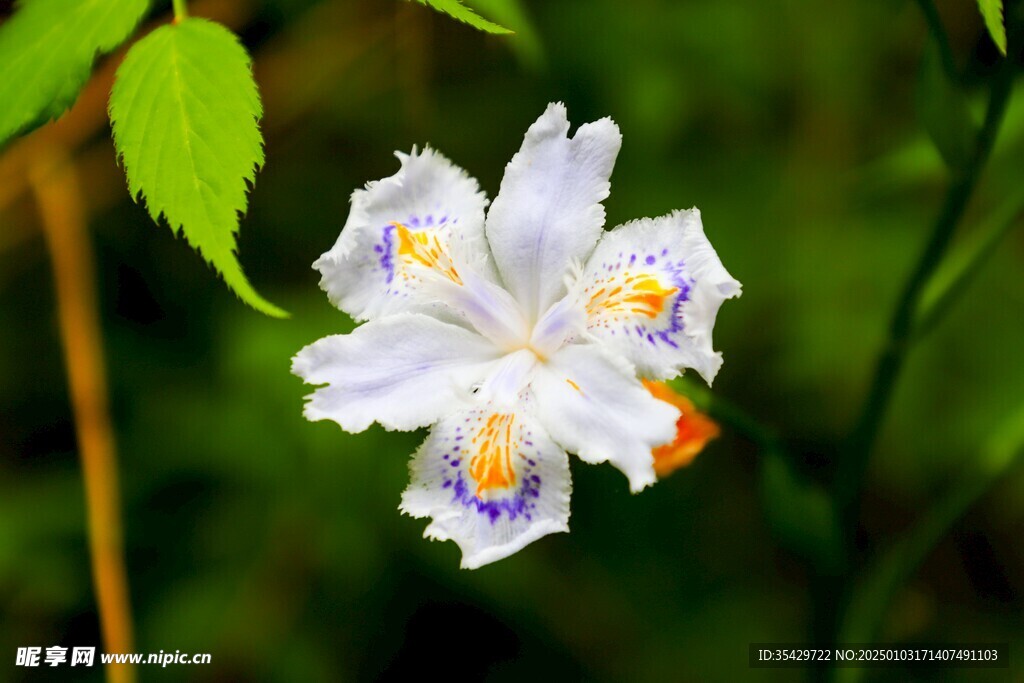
(385, 249)
(668, 340)
(650, 260)
(512, 507)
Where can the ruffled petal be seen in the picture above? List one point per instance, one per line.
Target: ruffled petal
(405, 371)
(592, 404)
(419, 227)
(652, 289)
(493, 482)
(548, 213)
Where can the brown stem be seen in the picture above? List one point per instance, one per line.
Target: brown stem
(59, 200)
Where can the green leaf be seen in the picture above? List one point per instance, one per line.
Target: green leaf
(883, 578)
(47, 49)
(944, 111)
(456, 10)
(526, 45)
(185, 112)
(992, 12)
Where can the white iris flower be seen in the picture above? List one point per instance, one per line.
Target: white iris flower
(518, 337)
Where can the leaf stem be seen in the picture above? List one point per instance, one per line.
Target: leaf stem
(61, 210)
(857, 449)
(180, 11)
(938, 31)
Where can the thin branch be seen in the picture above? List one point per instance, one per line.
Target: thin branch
(944, 291)
(891, 569)
(59, 200)
(857, 450)
(938, 31)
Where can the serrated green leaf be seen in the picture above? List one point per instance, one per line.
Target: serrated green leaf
(526, 45)
(992, 13)
(47, 49)
(185, 112)
(456, 10)
(944, 111)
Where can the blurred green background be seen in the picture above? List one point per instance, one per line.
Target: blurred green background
(276, 545)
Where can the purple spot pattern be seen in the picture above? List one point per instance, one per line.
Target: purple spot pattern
(660, 331)
(515, 504)
(387, 250)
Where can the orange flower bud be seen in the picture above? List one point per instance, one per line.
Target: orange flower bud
(694, 430)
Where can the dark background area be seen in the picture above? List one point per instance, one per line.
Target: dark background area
(276, 544)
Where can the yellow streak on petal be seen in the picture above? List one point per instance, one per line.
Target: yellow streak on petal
(643, 294)
(423, 248)
(491, 467)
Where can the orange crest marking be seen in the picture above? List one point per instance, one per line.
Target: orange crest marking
(422, 247)
(642, 294)
(491, 467)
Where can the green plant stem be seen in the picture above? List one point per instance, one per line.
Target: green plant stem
(887, 573)
(938, 31)
(857, 450)
(723, 411)
(944, 291)
(180, 11)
